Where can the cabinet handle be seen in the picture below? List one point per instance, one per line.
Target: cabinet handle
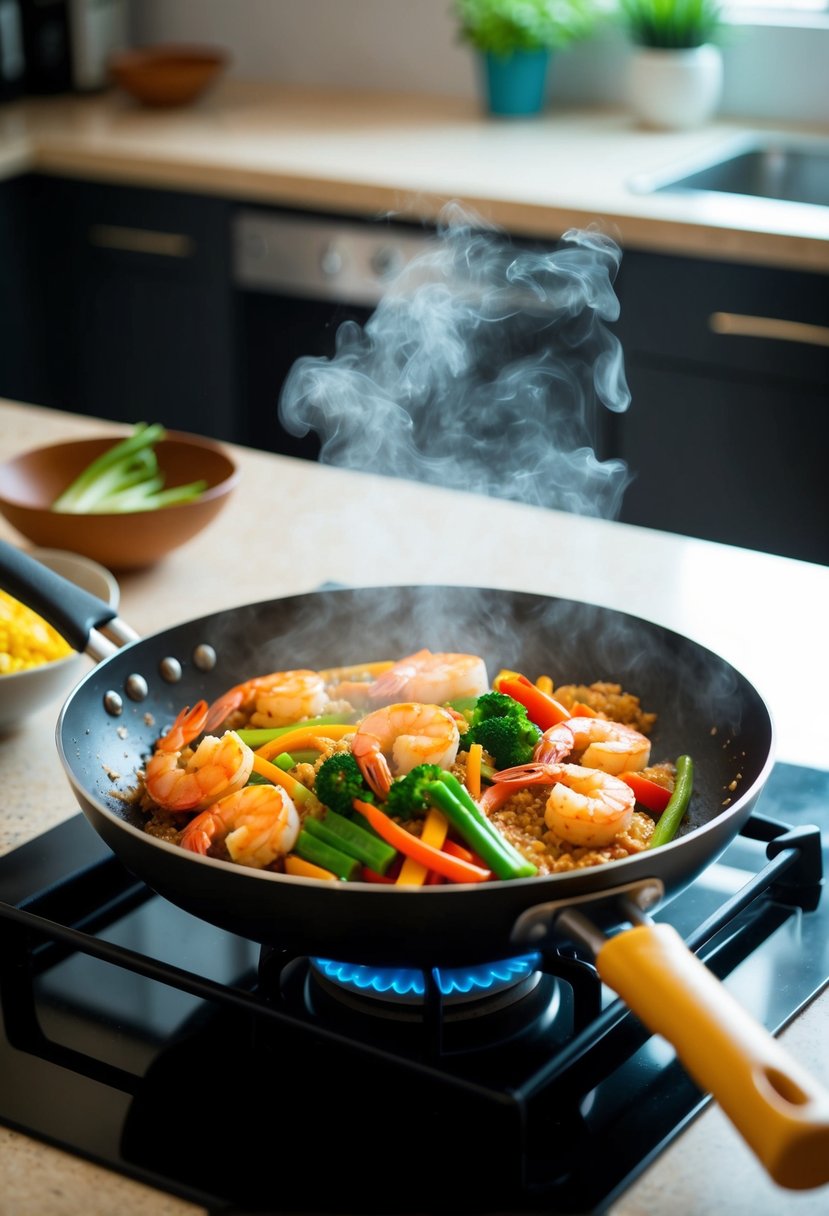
(142, 240)
(768, 327)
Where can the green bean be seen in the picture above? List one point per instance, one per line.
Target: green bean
(671, 817)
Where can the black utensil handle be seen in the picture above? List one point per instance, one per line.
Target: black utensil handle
(70, 609)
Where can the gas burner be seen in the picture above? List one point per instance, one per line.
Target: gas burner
(535, 1057)
(506, 1004)
(406, 986)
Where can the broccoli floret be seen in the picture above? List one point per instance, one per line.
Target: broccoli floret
(501, 726)
(407, 797)
(339, 781)
(429, 785)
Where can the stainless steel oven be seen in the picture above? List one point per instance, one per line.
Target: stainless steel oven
(297, 278)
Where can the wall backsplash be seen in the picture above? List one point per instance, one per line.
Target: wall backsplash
(772, 72)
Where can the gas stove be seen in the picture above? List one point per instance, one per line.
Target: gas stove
(246, 1078)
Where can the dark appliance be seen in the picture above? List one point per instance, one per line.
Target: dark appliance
(298, 278)
(12, 58)
(47, 46)
(307, 286)
(146, 1040)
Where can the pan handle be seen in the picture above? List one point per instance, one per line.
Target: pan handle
(75, 613)
(781, 1112)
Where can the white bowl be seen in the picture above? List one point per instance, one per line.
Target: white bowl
(22, 693)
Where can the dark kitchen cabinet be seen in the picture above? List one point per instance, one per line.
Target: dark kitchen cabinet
(134, 305)
(18, 326)
(727, 434)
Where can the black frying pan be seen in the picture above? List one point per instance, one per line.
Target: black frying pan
(705, 707)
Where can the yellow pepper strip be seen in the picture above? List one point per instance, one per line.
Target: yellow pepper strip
(545, 684)
(300, 868)
(435, 826)
(299, 792)
(473, 770)
(303, 737)
(355, 670)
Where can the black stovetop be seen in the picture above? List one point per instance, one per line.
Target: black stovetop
(163, 1048)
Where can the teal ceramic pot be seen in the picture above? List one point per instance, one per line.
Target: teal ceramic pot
(516, 83)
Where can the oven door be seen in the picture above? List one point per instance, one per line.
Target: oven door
(298, 278)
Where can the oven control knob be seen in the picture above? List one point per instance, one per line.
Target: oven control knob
(386, 261)
(331, 261)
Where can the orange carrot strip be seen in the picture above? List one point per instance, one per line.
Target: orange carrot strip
(542, 709)
(579, 710)
(435, 826)
(473, 770)
(305, 736)
(433, 859)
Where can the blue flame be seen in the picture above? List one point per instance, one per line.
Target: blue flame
(404, 981)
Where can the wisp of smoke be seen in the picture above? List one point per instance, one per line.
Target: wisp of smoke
(484, 367)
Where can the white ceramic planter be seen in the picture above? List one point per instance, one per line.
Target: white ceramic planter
(674, 89)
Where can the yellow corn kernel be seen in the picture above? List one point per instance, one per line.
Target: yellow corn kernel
(26, 640)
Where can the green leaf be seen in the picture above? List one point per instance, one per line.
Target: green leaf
(501, 27)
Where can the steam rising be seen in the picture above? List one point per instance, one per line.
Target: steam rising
(484, 367)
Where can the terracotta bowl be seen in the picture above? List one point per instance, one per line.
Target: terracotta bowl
(167, 75)
(23, 693)
(30, 483)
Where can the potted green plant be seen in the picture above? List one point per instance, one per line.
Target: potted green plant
(514, 40)
(675, 72)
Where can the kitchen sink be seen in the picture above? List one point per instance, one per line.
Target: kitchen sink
(788, 172)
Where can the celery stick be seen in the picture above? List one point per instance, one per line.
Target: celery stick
(350, 838)
(321, 854)
(256, 737)
(84, 489)
(150, 497)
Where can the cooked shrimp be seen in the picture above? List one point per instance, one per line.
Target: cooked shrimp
(586, 806)
(276, 699)
(257, 824)
(188, 724)
(217, 767)
(609, 746)
(408, 733)
(555, 744)
(428, 678)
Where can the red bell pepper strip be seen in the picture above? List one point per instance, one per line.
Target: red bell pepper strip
(433, 859)
(458, 850)
(372, 876)
(653, 796)
(542, 708)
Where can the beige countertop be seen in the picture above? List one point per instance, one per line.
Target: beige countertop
(370, 153)
(765, 614)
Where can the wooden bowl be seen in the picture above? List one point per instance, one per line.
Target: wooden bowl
(30, 483)
(167, 75)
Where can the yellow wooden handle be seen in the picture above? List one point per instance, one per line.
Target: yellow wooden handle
(781, 1112)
